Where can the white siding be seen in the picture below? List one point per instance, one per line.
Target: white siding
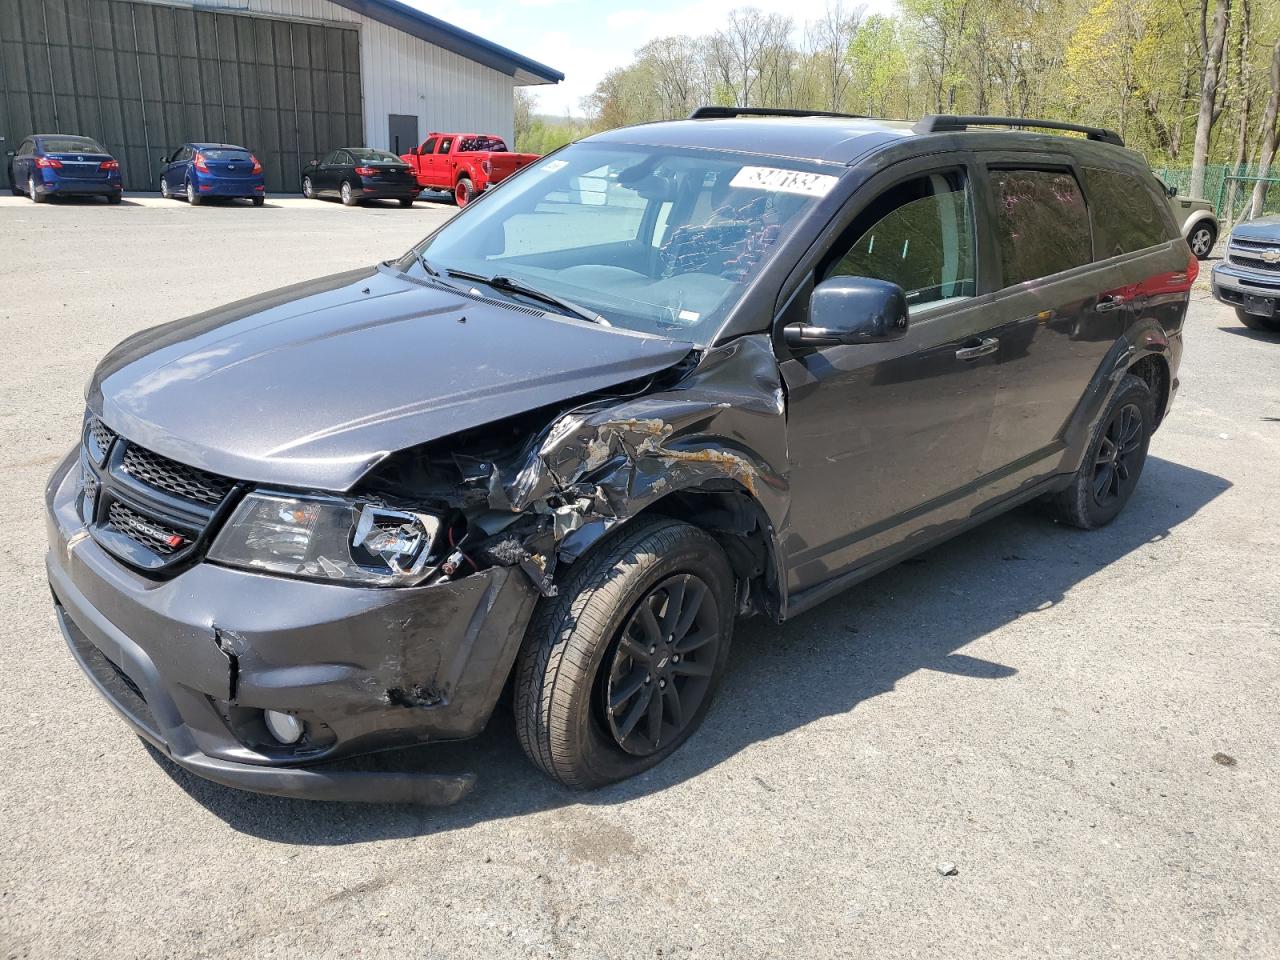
(402, 74)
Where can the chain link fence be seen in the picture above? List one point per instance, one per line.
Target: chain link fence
(1230, 189)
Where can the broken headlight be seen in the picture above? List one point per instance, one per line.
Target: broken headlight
(325, 538)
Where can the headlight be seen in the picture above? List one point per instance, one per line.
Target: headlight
(326, 538)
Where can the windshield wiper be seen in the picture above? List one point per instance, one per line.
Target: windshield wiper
(512, 285)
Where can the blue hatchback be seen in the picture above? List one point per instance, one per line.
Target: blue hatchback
(49, 164)
(200, 170)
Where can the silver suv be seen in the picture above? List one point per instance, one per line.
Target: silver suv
(1196, 219)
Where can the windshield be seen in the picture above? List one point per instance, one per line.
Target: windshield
(70, 145)
(375, 156)
(653, 239)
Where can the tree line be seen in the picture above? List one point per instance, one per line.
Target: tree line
(1190, 83)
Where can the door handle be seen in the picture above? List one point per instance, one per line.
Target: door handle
(1109, 302)
(980, 349)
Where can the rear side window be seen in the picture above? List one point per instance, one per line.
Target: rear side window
(917, 234)
(1125, 213)
(1041, 223)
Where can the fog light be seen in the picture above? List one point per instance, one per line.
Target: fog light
(283, 726)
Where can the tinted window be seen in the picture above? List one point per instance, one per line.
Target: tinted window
(1125, 212)
(919, 235)
(471, 144)
(1041, 222)
(429, 146)
(71, 145)
(445, 144)
(227, 155)
(375, 156)
(332, 158)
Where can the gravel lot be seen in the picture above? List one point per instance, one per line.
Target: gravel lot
(1084, 724)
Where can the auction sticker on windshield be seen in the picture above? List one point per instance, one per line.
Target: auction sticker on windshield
(778, 180)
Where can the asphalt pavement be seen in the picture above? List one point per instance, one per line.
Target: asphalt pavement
(1028, 742)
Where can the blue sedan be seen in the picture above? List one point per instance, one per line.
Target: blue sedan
(200, 170)
(56, 164)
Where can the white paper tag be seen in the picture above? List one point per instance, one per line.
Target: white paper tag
(777, 180)
(551, 166)
(688, 315)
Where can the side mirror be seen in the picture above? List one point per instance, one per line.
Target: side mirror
(849, 310)
(10, 153)
(1170, 192)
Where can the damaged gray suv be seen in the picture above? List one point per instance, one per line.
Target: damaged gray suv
(667, 377)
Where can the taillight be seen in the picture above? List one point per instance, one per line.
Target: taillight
(109, 165)
(486, 166)
(49, 163)
(200, 163)
(365, 171)
(257, 167)
(1193, 269)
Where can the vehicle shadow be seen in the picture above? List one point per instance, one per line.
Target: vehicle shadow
(1261, 336)
(857, 646)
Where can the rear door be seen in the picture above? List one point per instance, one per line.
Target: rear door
(886, 439)
(1059, 314)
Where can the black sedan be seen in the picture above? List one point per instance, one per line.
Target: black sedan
(356, 174)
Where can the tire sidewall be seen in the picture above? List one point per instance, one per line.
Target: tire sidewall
(1133, 390)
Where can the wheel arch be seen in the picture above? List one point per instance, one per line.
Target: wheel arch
(1154, 368)
(728, 512)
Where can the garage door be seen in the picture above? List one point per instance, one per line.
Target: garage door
(143, 78)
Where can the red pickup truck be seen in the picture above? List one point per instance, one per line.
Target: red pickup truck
(464, 163)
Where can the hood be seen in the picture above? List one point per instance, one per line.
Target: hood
(311, 385)
(1264, 228)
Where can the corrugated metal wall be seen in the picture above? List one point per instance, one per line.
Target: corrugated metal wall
(143, 78)
(405, 75)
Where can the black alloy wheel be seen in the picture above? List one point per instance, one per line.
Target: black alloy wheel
(1114, 472)
(661, 665)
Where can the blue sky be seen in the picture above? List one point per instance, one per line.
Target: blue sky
(584, 40)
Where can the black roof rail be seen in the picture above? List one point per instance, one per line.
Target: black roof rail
(725, 113)
(943, 123)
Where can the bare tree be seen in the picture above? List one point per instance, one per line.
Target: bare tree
(739, 51)
(1267, 153)
(1213, 66)
(828, 39)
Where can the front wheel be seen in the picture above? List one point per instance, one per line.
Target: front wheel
(1201, 240)
(165, 193)
(348, 196)
(1255, 322)
(463, 192)
(1114, 461)
(308, 190)
(619, 668)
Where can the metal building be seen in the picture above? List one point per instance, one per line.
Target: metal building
(289, 79)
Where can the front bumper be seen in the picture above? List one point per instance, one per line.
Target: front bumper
(192, 661)
(1245, 288)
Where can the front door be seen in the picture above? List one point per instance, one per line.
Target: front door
(402, 132)
(886, 439)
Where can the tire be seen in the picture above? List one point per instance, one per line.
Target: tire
(165, 192)
(1261, 324)
(1201, 240)
(308, 190)
(114, 198)
(463, 191)
(193, 195)
(258, 201)
(36, 197)
(348, 197)
(406, 202)
(1113, 463)
(578, 651)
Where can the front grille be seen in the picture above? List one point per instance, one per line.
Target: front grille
(98, 438)
(1253, 244)
(175, 478)
(1250, 263)
(155, 536)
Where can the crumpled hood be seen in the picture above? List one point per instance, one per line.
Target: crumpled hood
(1264, 228)
(311, 385)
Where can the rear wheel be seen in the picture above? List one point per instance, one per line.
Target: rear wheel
(1201, 240)
(193, 195)
(114, 198)
(620, 667)
(258, 201)
(463, 191)
(406, 202)
(1255, 322)
(348, 195)
(1113, 464)
(36, 196)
